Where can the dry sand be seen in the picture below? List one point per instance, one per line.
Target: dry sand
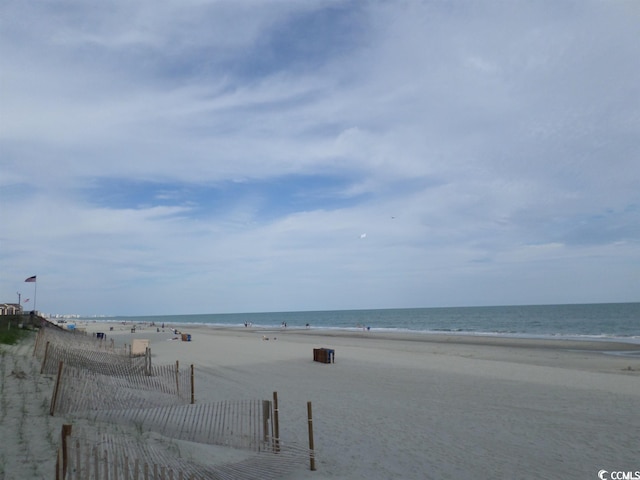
(397, 406)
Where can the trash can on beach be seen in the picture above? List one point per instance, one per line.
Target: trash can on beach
(324, 355)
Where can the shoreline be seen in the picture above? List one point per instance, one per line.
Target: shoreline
(388, 333)
(591, 321)
(603, 344)
(586, 355)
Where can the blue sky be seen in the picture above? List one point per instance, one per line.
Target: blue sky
(228, 156)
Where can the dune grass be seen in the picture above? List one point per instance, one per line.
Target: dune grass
(10, 332)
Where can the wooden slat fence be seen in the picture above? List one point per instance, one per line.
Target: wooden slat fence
(88, 462)
(74, 340)
(111, 457)
(246, 424)
(98, 382)
(98, 361)
(81, 390)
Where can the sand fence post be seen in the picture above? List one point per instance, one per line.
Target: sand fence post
(38, 341)
(147, 361)
(136, 464)
(44, 359)
(276, 425)
(96, 463)
(312, 458)
(56, 387)
(78, 468)
(63, 454)
(266, 416)
(193, 394)
(177, 378)
(59, 474)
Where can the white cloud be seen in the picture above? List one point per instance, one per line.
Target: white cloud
(501, 137)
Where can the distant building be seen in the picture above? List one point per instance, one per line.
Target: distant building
(10, 309)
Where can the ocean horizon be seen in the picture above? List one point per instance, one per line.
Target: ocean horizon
(606, 321)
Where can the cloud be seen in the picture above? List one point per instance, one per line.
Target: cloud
(234, 153)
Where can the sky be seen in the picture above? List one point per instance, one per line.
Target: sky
(221, 156)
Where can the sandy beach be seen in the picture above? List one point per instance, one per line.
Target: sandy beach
(395, 406)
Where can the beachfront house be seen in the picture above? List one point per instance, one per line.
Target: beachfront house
(10, 309)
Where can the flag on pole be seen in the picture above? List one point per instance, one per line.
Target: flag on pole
(31, 279)
(26, 301)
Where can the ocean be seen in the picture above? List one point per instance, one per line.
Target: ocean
(606, 321)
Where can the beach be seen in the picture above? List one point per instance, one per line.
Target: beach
(406, 406)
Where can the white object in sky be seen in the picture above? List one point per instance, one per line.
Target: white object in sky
(364, 235)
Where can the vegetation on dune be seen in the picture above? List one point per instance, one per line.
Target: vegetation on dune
(10, 330)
